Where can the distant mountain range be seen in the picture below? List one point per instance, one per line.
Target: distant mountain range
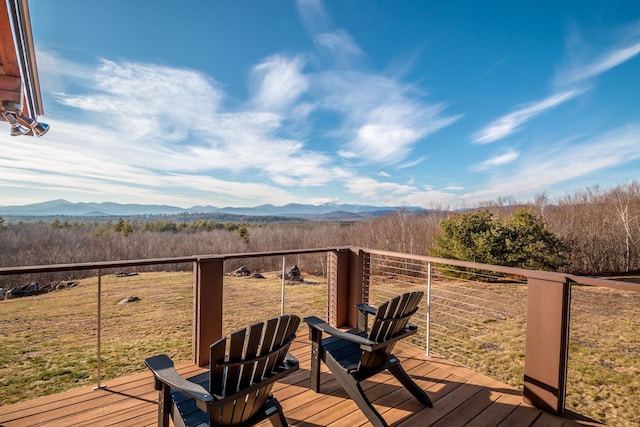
(327, 211)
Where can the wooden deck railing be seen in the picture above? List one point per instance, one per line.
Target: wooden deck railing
(348, 277)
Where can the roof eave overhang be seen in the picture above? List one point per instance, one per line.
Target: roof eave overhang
(21, 70)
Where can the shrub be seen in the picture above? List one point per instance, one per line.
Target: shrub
(521, 240)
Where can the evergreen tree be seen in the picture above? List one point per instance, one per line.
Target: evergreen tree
(521, 240)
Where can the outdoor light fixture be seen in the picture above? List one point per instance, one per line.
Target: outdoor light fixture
(16, 128)
(38, 128)
(11, 113)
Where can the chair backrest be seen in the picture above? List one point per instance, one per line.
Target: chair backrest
(256, 355)
(390, 320)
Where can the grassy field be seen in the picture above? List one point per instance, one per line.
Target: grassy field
(604, 355)
(48, 343)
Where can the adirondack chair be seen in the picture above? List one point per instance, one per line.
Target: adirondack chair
(357, 355)
(236, 391)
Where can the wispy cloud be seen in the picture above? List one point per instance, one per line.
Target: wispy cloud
(497, 161)
(279, 82)
(623, 50)
(383, 118)
(347, 154)
(340, 46)
(506, 125)
(454, 188)
(56, 70)
(60, 170)
(314, 16)
(144, 101)
(143, 131)
(537, 172)
(411, 163)
(430, 198)
(573, 79)
(608, 61)
(386, 193)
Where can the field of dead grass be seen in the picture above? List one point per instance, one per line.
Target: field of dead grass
(49, 342)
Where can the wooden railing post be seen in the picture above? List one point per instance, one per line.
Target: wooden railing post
(348, 285)
(207, 322)
(546, 350)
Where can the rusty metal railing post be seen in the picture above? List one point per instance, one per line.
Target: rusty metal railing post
(547, 342)
(207, 327)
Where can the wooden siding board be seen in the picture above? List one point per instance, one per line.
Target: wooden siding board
(9, 95)
(8, 56)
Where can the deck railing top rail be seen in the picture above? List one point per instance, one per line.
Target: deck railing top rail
(534, 274)
(7, 271)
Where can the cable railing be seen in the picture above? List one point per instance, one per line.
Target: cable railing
(491, 319)
(475, 318)
(93, 329)
(263, 292)
(603, 379)
(104, 325)
(140, 315)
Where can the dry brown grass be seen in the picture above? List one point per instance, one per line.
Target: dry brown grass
(604, 355)
(49, 342)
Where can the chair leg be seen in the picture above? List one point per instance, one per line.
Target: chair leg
(356, 393)
(315, 367)
(164, 405)
(401, 375)
(275, 413)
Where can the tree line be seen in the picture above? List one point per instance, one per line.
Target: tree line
(596, 230)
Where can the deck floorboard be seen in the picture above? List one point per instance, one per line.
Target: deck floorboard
(460, 397)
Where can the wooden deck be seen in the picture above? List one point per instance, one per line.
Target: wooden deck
(461, 398)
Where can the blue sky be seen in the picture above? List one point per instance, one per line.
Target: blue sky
(241, 103)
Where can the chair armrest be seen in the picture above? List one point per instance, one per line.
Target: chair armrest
(321, 325)
(290, 360)
(363, 316)
(365, 308)
(165, 372)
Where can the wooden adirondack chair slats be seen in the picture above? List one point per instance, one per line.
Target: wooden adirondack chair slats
(247, 377)
(239, 380)
(357, 355)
